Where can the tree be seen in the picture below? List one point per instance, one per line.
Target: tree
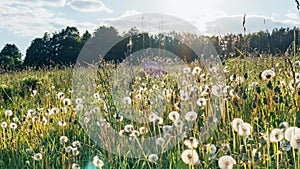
(38, 53)
(10, 57)
(65, 46)
(85, 37)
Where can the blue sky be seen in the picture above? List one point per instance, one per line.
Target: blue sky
(23, 20)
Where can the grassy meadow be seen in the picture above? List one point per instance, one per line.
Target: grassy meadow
(40, 126)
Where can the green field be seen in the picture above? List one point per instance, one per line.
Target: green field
(41, 126)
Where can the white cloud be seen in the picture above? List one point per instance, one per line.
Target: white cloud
(34, 22)
(89, 6)
(254, 23)
(291, 15)
(105, 21)
(35, 3)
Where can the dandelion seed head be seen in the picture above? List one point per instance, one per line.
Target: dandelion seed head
(201, 102)
(127, 100)
(226, 162)
(37, 157)
(236, 123)
(290, 131)
(75, 166)
(191, 142)
(63, 139)
(8, 113)
(276, 135)
(173, 115)
(245, 129)
(143, 130)
(196, 70)
(211, 149)
(98, 162)
(267, 74)
(191, 116)
(13, 126)
(190, 157)
(160, 141)
(128, 128)
(295, 141)
(152, 158)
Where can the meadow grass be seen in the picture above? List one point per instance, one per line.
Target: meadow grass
(44, 126)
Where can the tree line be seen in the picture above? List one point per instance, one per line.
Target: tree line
(63, 47)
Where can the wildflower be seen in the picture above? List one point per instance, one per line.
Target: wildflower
(143, 130)
(289, 132)
(128, 128)
(135, 132)
(245, 129)
(54, 110)
(174, 115)
(211, 149)
(96, 109)
(201, 102)
(186, 70)
(37, 157)
(167, 136)
(79, 107)
(276, 135)
(167, 129)
(256, 154)
(60, 95)
(239, 80)
(76, 144)
(62, 123)
(63, 110)
(152, 158)
(75, 151)
(63, 139)
(78, 101)
(184, 95)
(121, 133)
(159, 120)
(8, 113)
(96, 95)
(196, 70)
(191, 143)
(160, 141)
(4, 124)
(97, 162)
(15, 119)
(216, 90)
(283, 125)
(267, 74)
(295, 141)
(178, 124)
(118, 117)
(75, 166)
(191, 116)
(190, 157)
(236, 123)
(68, 149)
(34, 92)
(127, 100)
(226, 162)
(13, 126)
(152, 117)
(67, 102)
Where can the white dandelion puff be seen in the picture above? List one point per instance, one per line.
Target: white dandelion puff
(226, 162)
(190, 157)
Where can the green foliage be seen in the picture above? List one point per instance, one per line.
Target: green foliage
(10, 57)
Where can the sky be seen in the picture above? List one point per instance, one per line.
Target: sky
(21, 21)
